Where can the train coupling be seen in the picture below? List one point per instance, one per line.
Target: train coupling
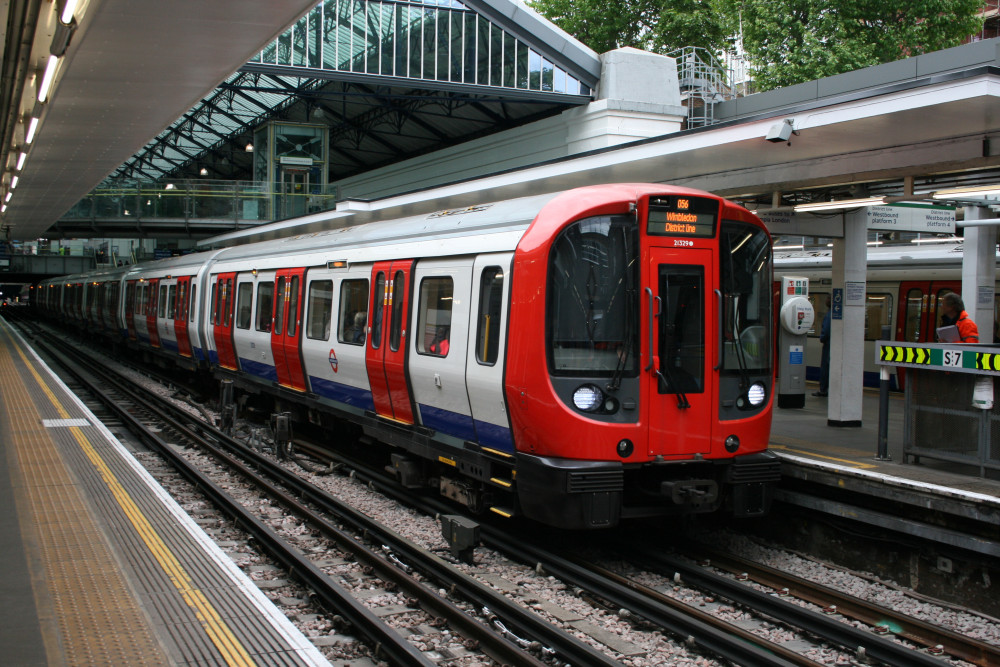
(691, 491)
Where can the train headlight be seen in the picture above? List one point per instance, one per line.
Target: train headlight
(588, 398)
(756, 394)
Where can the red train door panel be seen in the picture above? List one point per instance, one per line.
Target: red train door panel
(287, 330)
(680, 380)
(917, 316)
(222, 320)
(385, 355)
(154, 296)
(181, 317)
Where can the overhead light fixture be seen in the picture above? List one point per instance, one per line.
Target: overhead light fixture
(13, 181)
(203, 172)
(20, 160)
(68, 9)
(249, 148)
(170, 186)
(50, 73)
(971, 191)
(7, 198)
(3, 208)
(29, 136)
(946, 240)
(843, 203)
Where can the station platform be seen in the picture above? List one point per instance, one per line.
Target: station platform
(98, 565)
(844, 458)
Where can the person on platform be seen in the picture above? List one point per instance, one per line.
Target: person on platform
(953, 313)
(824, 366)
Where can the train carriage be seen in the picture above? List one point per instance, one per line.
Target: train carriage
(576, 358)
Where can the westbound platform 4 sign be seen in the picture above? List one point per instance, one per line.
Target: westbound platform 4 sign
(958, 358)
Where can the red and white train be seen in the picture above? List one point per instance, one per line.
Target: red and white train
(576, 358)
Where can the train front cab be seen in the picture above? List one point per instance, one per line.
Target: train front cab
(657, 323)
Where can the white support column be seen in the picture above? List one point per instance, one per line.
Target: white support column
(847, 334)
(979, 269)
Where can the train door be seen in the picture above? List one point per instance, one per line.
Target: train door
(680, 383)
(153, 287)
(917, 319)
(166, 313)
(385, 356)
(286, 333)
(222, 319)
(181, 316)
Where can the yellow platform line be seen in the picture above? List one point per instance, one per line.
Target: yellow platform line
(854, 464)
(232, 650)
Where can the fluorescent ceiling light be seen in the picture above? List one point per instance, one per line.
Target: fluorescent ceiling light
(843, 203)
(67, 12)
(972, 191)
(950, 240)
(32, 127)
(13, 181)
(50, 73)
(20, 160)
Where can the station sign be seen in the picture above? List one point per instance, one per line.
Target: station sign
(926, 218)
(938, 356)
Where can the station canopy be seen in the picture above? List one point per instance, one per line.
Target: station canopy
(392, 80)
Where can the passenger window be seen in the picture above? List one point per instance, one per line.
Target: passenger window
(320, 309)
(378, 303)
(215, 303)
(193, 308)
(396, 323)
(265, 305)
(877, 308)
(490, 310)
(163, 302)
(172, 302)
(244, 305)
(914, 312)
(434, 322)
(182, 304)
(279, 307)
(293, 307)
(353, 317)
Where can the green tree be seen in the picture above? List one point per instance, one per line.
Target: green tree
(791, 41)
(658, 26)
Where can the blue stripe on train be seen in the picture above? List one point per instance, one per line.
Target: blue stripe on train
(448, 422)
(255, 368)
(343, 393)
(495, 437)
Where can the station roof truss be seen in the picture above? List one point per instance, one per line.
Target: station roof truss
(392, 79)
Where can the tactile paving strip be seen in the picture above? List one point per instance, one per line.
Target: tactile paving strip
(99, 621)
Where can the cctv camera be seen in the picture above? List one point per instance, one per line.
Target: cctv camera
(779, 132)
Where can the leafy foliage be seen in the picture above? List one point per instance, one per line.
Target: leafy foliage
(786, 41)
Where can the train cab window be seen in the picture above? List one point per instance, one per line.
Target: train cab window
(681, 331)
(745, 277)
(244, 305)
(279, 307)
(293, 307)
(353, 317)
(592, 327)
(378, 299)
(265, 305)
(490, 310)
(320, 305)
(162, 312)
(171, 302)
(434, 322)
(398, 288)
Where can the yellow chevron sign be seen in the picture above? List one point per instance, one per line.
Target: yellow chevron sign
(987, 361)
(905, 355)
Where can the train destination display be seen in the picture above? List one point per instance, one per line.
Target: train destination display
(679, 215)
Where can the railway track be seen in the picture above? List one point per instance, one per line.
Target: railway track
(697, 625)
(489, 622)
